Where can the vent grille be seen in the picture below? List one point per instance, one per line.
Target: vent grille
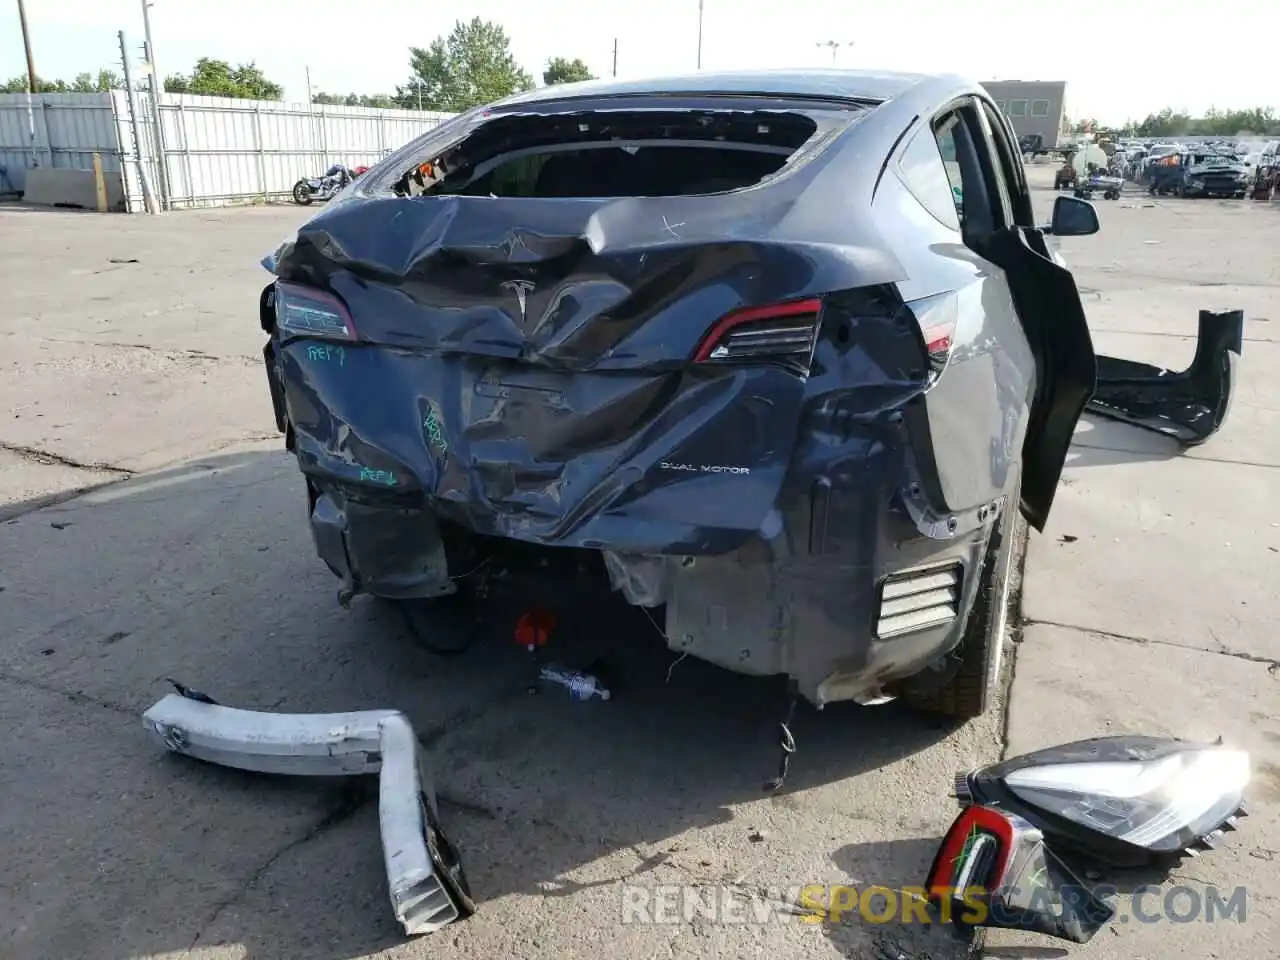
(919, 600)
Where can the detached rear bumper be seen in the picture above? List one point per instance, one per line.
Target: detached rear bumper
(1189, 405)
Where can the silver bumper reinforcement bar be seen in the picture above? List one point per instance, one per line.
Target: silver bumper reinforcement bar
(424, 873)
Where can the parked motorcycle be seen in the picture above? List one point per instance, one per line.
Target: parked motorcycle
(322, 188)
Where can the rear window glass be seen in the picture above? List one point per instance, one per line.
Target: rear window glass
(653, 171)
(613, 154)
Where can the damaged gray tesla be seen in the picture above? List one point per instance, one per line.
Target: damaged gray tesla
(778, 356)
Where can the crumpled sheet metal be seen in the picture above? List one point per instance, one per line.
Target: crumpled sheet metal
(1189, 405)
(391, 239)
(427, 885)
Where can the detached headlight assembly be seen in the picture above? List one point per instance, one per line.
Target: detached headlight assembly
(1126, 800)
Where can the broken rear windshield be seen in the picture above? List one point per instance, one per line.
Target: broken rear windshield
(647, 153)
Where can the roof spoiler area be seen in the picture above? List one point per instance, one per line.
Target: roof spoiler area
(1190, 405)
(427, 885)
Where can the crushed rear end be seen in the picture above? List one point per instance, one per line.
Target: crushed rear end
(684, 369)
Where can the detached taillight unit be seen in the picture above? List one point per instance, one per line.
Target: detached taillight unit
(994, 870)
(782, 334)
(315, 314)
(937, 316)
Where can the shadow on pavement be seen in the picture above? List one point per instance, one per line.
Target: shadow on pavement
(1100, 442)
(896, 865)
(206, 574)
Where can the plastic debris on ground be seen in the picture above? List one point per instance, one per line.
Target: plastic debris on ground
(427, 885)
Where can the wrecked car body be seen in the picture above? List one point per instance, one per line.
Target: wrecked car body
(776, 355)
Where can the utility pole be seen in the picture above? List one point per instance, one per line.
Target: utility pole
(31, 85)
(157, 120)
(148, 197)
(26, 44)
(834, 46)
(700, 34)
(615, 56)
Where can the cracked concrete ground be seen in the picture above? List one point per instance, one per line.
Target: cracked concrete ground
(1156, 617)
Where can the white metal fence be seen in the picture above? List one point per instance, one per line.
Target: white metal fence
(217, 150)
(68, 128)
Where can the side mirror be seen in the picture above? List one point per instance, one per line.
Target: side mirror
(1073, 217)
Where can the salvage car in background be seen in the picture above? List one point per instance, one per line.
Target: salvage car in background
(778, 355)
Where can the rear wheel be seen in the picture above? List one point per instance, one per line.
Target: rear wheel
(302, 193)
(445, 626)
(971, 688)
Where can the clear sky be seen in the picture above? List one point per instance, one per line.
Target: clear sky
(1123, 60)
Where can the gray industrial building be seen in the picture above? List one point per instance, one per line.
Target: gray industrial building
(1033, 106)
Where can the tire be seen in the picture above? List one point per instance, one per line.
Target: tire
(445, 626)
(970, 691)
(302, 194)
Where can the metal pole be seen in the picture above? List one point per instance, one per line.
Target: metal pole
(26, 44)
(31, 83)
(700, 34)
(311, 120)
(147, 197)
(156, 88)
(615, 56)
(834, 46)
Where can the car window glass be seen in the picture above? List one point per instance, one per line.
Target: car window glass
(925, 174)
(993, 171)
(1012, 186)
(945, 137)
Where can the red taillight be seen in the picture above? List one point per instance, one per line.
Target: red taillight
(779, 333)
(937, 317)
(303, 311)
(976, 852)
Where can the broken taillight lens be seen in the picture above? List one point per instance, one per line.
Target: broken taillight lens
(937, 317)
(307, 312)
(780, 333)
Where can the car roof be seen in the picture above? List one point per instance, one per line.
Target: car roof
(817, 83)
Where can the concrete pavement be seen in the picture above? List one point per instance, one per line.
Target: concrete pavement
(1156, 618)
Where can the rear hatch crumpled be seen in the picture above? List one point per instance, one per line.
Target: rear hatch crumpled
(526, 362)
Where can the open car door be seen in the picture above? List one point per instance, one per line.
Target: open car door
(1188, 405)
(996, 212)
(1048, 303)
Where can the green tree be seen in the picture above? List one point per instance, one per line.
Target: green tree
(101, 82)
(217, 78)
(83, 83)
(1166, 123)
(564, 70)
(473, 65)
(355, 100)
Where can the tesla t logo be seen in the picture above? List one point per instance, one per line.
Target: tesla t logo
(522, 289)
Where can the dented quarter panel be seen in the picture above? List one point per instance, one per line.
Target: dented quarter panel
(968, 429)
